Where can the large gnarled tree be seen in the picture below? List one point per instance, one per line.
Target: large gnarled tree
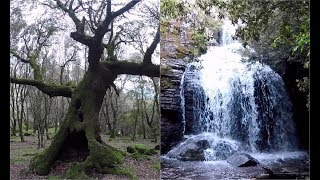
(79, 132)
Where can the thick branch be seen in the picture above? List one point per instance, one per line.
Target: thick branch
(18, 56)
(132, 68)
(103, 28)
(71, 13)
(79, 35)
(153, 46)
(82, 38)
(125, 8)
(32, 61)
(115, 89)
(49, 89)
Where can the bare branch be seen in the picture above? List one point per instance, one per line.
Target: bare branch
(125, 8)
(103, 28)
(153, 46)
(71, 13)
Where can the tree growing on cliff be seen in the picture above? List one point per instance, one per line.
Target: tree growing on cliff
(79, 132)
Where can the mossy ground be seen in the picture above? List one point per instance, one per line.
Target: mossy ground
(22, 152)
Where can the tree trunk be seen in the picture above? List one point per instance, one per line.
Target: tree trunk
(26, 120)
(34, 126)
(14, 127)
(112, 133)
(80, 129)
(136, 119)
(47, 129)
(56, 125)
(143, 126)
(20, 130)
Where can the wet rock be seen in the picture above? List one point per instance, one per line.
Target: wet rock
(192, 152)
(194, 101)
(171, 117)
(223, 151)
(242, 160)
(203, 144)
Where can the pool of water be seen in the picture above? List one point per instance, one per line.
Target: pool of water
(290, 162)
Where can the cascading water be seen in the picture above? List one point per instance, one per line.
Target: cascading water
(234, 105)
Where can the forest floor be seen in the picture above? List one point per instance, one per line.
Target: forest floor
(22, 152)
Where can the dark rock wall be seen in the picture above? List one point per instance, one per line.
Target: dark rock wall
(171, 116)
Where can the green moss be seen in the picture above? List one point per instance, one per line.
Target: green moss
(76, 171)
(72, 84)
(39, 163)
(141, 148)
(139, 156)
(119, 171)
(55, 177)
(151, 152)
(157, 166)
(105, 155)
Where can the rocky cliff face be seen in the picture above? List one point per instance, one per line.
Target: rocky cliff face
(174, 52)
(171, 117)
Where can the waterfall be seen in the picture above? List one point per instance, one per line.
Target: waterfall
(243, 105)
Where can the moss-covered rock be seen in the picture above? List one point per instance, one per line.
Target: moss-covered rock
(139, 156)
(151, 152)
(140, 148)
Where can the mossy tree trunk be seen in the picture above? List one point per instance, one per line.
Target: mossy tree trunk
(78, 135)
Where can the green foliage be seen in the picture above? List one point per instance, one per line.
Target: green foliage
(171, 9)
(199, 42)
(72, 84)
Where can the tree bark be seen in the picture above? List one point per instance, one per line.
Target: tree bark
(82, 116)
(136, 118)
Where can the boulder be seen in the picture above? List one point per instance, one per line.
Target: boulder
(223, 151)
(203, 144)
(191, 152)
(242, 160)
(141, 148)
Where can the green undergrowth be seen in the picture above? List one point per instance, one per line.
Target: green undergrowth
(157, 166)
(22, 154)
